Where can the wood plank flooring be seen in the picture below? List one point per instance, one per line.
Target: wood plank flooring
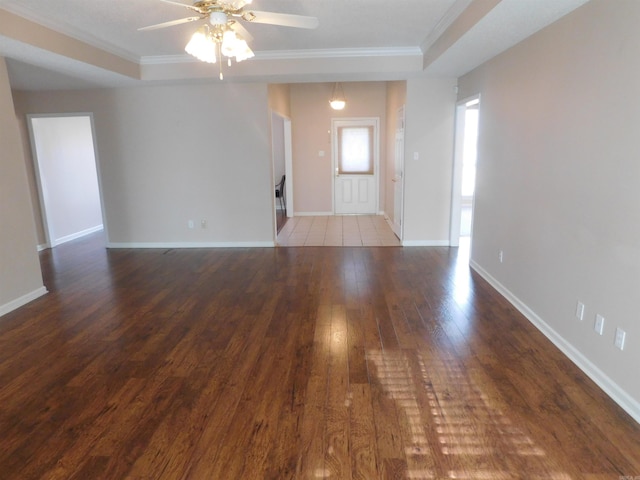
(291, 363)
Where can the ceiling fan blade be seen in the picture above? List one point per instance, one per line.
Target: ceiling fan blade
(238, 4)
(169, 24)
(282, 19)
(243, 32)
(190, 7)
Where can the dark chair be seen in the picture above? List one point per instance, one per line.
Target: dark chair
(280, 195)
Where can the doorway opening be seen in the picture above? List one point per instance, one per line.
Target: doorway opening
(464, 171)
(282, 159)
(67, 175)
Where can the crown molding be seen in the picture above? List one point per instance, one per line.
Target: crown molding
(72, 32)
(445, 22)
(339, 53)
(168, 59)
(298, 55)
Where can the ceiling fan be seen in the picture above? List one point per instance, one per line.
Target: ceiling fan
(224, 34)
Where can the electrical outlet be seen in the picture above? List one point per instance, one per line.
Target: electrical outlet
(620, 338)
(203, 223)
(580, 311)
(599, 325)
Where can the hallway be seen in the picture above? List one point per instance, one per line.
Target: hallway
(338, 231)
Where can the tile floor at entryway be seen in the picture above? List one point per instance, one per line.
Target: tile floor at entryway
(338, 231)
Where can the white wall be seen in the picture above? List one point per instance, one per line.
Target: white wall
(169, 154)
(429, 130)
(67, 167)
(557, 184)
(20, 276)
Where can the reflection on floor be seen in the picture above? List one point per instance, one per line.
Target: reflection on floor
(461, 422)
(338, 231)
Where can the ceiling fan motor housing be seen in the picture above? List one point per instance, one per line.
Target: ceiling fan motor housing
(218, 18)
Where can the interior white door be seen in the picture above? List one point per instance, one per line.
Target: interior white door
(398, 178)
(355, 160)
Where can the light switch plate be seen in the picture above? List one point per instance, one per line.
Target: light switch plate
(599, 325)
(620, 337)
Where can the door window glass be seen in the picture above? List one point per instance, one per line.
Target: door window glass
(355, 150)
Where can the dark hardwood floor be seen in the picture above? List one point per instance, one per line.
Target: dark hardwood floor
(306, 363)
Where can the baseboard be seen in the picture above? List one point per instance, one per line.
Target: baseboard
(73, 236)
(23, 300)
(612, 389)
(425, 243)
(42, 247)
(177, 245)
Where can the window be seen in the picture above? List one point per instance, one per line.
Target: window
(355, 150)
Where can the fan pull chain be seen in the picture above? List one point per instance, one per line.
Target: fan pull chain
(220, 57)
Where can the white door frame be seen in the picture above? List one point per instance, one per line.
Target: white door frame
(288, 167)
(397, 224)
(458, 157)
(356, 121)
(49, 240)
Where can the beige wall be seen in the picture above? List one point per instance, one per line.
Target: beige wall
(31, 178)
(557, 184)
(311, 123)
(20, 276)
(169, 154)
(429, 129)
(279, 104)
(279, 100)
(32, 33)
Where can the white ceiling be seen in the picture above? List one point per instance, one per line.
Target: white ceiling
(356, 39)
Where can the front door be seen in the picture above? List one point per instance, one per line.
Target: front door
(355, 161)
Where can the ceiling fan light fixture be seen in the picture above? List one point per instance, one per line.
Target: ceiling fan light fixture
(243, 52)
(338, 101)
(228, 43)
(202, 46)
(233, 45)
(219, 37)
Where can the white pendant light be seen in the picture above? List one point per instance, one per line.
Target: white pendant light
(338, 101)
